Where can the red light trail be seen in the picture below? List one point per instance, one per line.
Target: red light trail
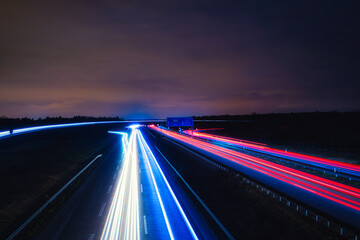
(340, 193)
(332, 165)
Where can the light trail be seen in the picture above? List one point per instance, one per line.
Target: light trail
(54, 126)
(336, 166)
(45, 127)
(149, 156)
(124, 139)
(4, 133)
(123, 219)
(338, 193)
(165, 215)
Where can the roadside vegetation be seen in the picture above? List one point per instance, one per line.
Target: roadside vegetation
(328, 134)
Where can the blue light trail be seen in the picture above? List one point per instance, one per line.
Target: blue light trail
(31, 129)
(4, 133)
(47, 127)
(176, 220)
(166, 218)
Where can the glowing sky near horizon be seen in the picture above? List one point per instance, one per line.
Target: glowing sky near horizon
(172, 58)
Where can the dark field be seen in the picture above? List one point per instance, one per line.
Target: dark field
(36, 165)
(333, 135)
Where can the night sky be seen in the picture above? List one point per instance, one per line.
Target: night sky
(177, 58)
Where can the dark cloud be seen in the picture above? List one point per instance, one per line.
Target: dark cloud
(159, 58)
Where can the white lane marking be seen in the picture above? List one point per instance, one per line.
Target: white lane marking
(109, 189)
(102, 209)
(50, 200)
(141, 188)
(114, 177)
(145, 225)
(91, 237)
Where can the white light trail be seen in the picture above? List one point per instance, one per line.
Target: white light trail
(5, 133)
(123, 219)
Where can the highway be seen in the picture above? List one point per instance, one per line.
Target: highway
(128, 196)
(335, 166)
(336, 199)
(135, 192)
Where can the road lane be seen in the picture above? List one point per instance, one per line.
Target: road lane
(176, 221)
(79, 217)
(204, 222)
(145, 200)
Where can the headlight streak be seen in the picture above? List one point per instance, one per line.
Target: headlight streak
(30, 129)
(124, 139)
(145, 147)
(46, 127)
(123, 219)
(4, 133)
(332, 165)
(337, 192)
